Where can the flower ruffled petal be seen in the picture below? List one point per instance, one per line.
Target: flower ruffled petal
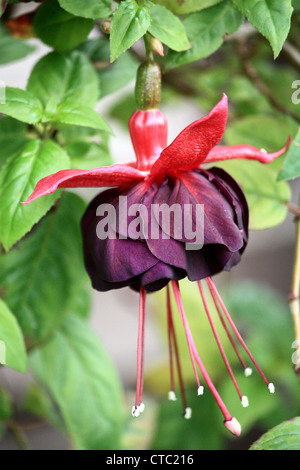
(111, 255)
(169, 250)
(248, 152)
(160, 275)
(210, 260)
(115, 175)
(208, 190)
(191, 147)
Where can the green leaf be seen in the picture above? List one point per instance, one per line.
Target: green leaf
(279, 83)
(266, 196)
(173, 432)
(285, 436)
(58, 28)
(205, 30)
(130, 22)
(58, 77)
(17, 181)
(251, 130)
(12, 49)
(117, 75)
(76, 369)
(186, 6)
(12, 348)
(291, 163)
(113, 76)
(21, 105)
(73, 134)
(67, 83)
(38, 403)
(12, 138)
(272, 18)
(70, 112)
(80, 301)
(92, 9)
(43, 275)
(88, 155)
(167, 27)
(86, 147)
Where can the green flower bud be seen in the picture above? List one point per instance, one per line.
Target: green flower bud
(148, 86)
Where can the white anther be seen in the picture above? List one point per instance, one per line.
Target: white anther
(172, 396)
(187, 413)
(200, 390)
(244, 401)
(135, 411)
(271, 388)
(248, 371)
(141, 407)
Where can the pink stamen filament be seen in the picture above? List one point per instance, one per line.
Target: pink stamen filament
(172, 337)
(170, 322)
(190, 341)
(140, 348)
(223, 307)
(193, 363)
(244, 365)
(190, 351)
(218, 341)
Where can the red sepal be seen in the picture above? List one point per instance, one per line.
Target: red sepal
(248, 152)
(115, 175)
(191, 147)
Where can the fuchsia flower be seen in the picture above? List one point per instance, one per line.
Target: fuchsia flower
(170, 174)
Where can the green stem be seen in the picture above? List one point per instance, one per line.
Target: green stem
(18, 435)
(293, 209)
(39, 130)
(148, 50)
(295, 295)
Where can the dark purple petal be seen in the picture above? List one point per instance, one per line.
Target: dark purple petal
(168, 250)
(104, 258)
(206, 262)
(141, 260)
(159, 275)
(219, 224)
(234, 195)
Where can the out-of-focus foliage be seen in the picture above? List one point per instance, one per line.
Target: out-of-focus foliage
(263, 318)
(285, 436)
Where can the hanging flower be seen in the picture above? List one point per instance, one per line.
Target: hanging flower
(174, 176)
